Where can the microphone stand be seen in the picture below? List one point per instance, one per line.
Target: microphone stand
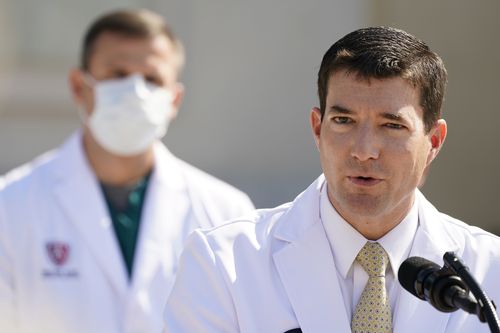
(485, 308)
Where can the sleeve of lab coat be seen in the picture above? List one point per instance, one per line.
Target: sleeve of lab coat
(200, 300)
(7, 297)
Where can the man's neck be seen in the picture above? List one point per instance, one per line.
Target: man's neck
(116, 170)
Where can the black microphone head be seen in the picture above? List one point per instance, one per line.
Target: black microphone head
(411, 271)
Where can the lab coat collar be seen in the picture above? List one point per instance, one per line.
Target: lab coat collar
(303, 213)
(77, 190)
(167, 203)
(306, 266)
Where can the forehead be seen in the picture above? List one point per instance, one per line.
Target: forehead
(117, 49)
(386, 95)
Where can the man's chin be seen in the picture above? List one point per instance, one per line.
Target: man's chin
(363, 205)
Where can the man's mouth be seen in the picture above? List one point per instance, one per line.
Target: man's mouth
(364, 180)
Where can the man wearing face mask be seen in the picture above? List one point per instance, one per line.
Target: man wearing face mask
(90, 233)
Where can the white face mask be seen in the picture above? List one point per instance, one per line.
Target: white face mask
(129, 114)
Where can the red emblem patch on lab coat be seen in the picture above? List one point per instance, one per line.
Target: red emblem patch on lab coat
(58, 252)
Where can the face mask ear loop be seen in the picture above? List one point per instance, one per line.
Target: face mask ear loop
(82, 114)
(91, 82)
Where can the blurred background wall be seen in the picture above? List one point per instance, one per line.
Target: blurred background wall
(250, 83)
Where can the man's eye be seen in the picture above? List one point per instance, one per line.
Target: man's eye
(153, 80)
(394, 126)
(342, 120)
(119, 74)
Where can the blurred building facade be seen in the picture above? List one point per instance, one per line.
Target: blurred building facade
(250, 83)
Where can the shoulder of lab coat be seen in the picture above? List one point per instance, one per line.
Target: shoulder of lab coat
(228, 279)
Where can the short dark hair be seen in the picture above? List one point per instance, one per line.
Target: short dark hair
(384, 52)
(138, 23)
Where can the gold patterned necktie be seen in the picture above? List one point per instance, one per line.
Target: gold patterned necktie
(373, 311)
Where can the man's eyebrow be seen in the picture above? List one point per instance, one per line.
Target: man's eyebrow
(340, 109)
(392, 116)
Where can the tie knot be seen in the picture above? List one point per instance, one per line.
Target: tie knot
(373, 259)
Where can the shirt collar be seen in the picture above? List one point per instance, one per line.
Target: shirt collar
(346, 242)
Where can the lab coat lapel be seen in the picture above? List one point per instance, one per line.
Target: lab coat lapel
(431, 242)
(164, 219)
(77, 191)
(306, 267)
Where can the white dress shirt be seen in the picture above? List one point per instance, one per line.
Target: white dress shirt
(346, 242)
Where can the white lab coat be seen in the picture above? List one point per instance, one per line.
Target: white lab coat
(274, 271)
(61, 269)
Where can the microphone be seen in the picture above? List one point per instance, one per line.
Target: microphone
(441, 287)
(447, 288)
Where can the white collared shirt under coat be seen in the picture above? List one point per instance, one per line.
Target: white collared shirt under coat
(274, 271)
(346, 242)
(57, 200)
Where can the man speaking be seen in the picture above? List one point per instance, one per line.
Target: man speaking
(328, 261)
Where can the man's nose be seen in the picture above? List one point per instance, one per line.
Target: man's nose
(365, 144)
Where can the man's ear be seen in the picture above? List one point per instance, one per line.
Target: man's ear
(77, 85)
(178, 92)
(315, 120)
(437, 136)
